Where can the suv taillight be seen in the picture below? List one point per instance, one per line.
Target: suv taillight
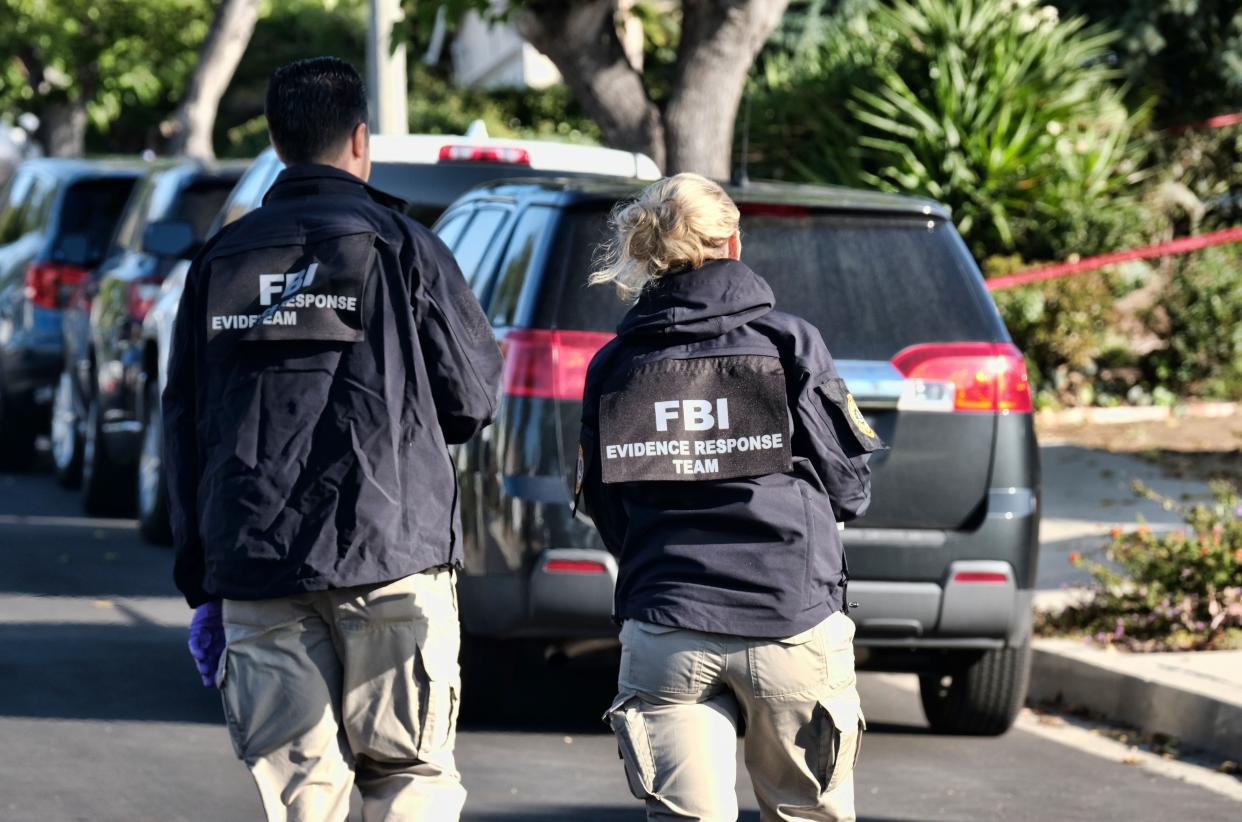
(972, 376)
(140, 295)
(549, 364)
(48, 284)
(485, 154)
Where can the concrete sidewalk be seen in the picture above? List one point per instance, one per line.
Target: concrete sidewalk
(1086, 493)
(1195, 697)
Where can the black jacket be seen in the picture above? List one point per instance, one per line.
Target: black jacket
(720, 449)
(326, 351)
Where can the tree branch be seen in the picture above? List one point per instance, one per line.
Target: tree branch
(190, 128)
(581, 39)
(719, 42)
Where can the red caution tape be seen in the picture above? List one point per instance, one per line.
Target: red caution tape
(1219, 121)
(1179, 246)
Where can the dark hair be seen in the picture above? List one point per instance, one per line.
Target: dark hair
(312, 108)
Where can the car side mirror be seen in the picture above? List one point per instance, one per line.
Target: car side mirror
(174, 239)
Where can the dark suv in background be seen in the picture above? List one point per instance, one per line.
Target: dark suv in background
(56, 220)
(103, 396)
(943, 564)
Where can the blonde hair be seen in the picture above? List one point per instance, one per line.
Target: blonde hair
(675, 223)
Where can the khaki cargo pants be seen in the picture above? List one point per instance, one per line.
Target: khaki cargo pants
(676, 719)
(330, 688)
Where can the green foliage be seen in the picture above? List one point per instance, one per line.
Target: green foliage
(421, 16)
(1187, 54)
(1205, 164)
(1062, 326)
(815, 55)
(287, 30)
(293, 29)
(1199, 318)
(998, 108)
(439, 107)
(121, 57)
(1168, 591)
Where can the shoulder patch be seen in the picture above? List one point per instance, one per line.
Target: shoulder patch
(581, 473)
(860, 422)
(836, 392)
(703, 419)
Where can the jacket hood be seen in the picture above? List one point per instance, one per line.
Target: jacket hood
(700, 304)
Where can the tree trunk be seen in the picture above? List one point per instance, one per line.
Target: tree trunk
(62, 128)
(190, 129)
(719, 42)
(581, 39)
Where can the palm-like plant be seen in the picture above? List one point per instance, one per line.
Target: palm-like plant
(996, 107)
(999, 108)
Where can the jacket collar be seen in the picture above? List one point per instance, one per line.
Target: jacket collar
(312, 179)
(701, 303)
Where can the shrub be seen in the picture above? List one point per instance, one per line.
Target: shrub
(1060, 325)
(1180, 590)
(1199, 317)
(998, 108)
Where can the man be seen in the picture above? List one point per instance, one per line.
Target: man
(326, 351)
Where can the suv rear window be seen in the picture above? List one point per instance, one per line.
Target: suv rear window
(88, 216)
(872, 284)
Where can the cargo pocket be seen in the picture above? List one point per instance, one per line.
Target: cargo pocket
(633, 744)
(228, 699)
(438, 685)
(790, 667)
(839, 726)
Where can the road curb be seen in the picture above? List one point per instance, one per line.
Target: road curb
(1122, 414)
(1072, 674)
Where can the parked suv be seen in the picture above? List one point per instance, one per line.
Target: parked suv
(428, 172)
(56, 219)
(103, 396)
(942, 566)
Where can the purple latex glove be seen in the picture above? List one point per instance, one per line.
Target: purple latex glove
(207, 640)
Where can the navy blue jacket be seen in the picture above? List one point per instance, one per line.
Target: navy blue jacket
(326, 351)
(720, 449)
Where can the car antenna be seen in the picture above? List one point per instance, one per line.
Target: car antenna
(741, 175)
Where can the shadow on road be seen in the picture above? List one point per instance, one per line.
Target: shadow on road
(101, 672)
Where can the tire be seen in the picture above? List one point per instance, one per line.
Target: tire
(152, 488)
(17, 435)
(105, 491)
(982, 696)
(66, 434)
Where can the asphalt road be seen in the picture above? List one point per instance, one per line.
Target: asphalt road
(102, 716)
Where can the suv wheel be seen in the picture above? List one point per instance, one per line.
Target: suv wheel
(152, 485)
(104, 491)
(66, 434)
(981, 697)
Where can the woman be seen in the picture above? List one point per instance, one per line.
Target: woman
(719, 450)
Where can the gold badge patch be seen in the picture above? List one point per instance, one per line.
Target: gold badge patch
(581, 472)
(858, 418)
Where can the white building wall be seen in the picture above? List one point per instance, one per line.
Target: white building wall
(496, 56)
